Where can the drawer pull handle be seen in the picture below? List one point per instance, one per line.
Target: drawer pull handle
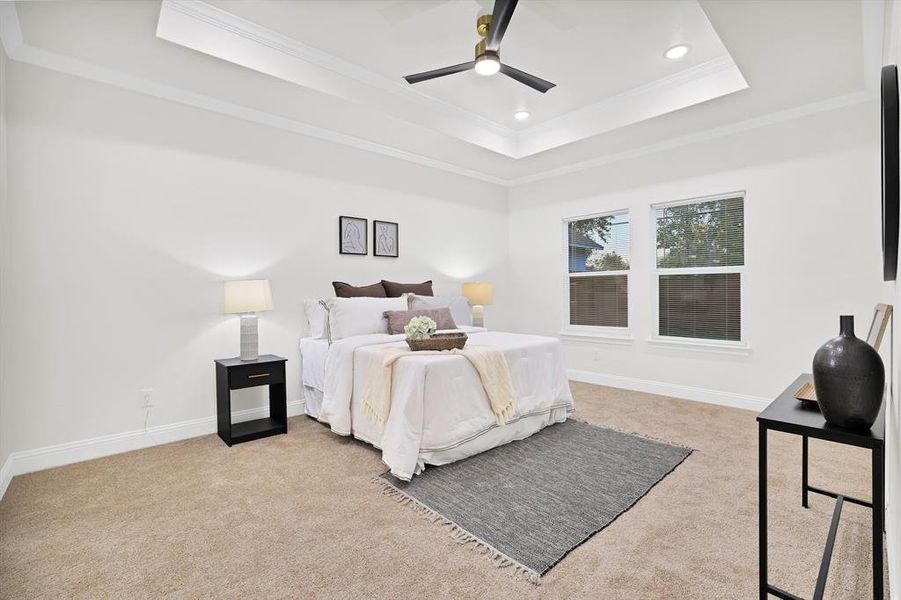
(260, 375)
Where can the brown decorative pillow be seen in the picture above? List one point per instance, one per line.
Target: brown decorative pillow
(345, 290)
(396, 290)
(398, 319)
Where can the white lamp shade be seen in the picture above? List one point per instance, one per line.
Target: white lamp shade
(478, 293)
(248, 296)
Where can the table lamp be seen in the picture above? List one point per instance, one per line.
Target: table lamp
(247, 298)
(479, 294)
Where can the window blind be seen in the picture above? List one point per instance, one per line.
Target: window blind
(705, 306)
(599, 301)
(598, 256)
(700, 255)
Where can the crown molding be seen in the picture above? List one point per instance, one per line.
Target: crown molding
(204, 28)
(709, 80)
(782, 116)
(16, 49)
(21, 52)
(287, 45)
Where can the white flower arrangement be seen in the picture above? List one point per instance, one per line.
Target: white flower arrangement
(420, 328)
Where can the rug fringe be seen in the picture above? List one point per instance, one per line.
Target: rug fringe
(635, 433)
(460, 535)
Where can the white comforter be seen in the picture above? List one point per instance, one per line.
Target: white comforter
(437, 401)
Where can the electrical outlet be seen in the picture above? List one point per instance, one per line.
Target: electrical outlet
(145, 397)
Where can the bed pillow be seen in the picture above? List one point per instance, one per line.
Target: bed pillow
(398, 319)
(317, 318)
(394, 289)
(360, 316)
(345, 290)
(458, 305)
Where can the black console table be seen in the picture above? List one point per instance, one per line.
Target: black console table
(789, 415)
(235, 374)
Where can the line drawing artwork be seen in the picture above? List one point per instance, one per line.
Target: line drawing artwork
(353, 235)
(386, 239)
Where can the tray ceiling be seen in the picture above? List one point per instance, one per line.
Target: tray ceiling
(284, 65)
(607, 59)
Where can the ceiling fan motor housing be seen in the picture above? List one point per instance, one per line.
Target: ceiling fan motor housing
(482, 51)
(483, 25)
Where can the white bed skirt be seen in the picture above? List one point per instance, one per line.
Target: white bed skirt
(491, 437)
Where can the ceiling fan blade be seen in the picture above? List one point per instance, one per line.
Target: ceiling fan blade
(500, 18)
(425, 76)
(536, 83)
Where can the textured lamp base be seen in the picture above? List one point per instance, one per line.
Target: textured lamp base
(250, 338)
(478, 316)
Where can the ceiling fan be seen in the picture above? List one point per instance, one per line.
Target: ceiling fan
(492, 28)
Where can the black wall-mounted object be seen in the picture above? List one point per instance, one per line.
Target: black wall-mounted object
(890, 176)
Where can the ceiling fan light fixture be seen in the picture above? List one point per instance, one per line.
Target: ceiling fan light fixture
(676, 52)
(487, 65)
(521, 115)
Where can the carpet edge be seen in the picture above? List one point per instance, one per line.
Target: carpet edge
(458, 533)
(628, 508)
(637, 434)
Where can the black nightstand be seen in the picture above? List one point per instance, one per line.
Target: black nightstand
(236, 374)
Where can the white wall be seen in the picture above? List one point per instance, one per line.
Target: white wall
(4, 450)
(126, 213)
(812, 247)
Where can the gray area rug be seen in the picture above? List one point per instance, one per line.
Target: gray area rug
(529, 503)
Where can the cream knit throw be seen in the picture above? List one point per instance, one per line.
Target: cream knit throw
(488, 361)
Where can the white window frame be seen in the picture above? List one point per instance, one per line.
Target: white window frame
(596, 332)
(742, 346)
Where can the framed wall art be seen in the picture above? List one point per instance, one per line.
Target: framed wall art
(352, 238)
(385, 238)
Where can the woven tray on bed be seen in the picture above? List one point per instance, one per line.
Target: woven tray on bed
(439, 341)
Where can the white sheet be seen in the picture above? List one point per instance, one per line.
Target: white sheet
(312, 355)
(439, 411)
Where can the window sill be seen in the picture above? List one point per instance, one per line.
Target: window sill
(603, 337)
(710, 346)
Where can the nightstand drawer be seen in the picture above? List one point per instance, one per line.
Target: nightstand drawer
(253, 375)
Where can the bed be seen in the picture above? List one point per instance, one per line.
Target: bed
(439, 411)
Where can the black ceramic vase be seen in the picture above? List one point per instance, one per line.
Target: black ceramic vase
(849, 378)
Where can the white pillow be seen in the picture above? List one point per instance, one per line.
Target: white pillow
(360, 316)
(317, 318)
(458, 305)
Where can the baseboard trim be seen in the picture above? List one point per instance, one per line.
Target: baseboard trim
(662, 388)
(28, 461)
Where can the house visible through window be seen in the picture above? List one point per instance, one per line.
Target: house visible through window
(598, 251)
(700, 262)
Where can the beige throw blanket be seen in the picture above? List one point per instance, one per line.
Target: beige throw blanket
(488, 361)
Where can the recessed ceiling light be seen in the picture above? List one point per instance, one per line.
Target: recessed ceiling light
(521, 115)
(676, 52)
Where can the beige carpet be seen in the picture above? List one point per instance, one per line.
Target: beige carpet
(297, 516)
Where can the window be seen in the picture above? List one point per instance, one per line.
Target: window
(598, 270)
(700, 262)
